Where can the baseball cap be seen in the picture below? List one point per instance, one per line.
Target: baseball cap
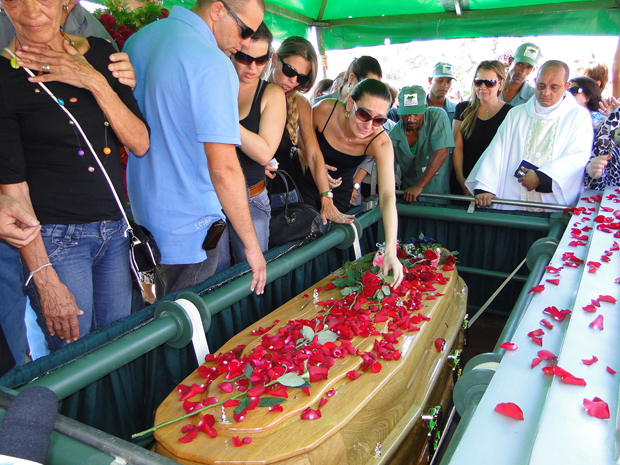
(443, 70)
(528, 53)
(411, 101)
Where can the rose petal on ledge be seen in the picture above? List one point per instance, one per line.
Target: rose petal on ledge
(536, 361)
(247, 440)
(589, 308)
(189, 437)
(552, 269)
(331, 392)
(322, 402)
(546, 354)
(611, 371)
(536, 332)
(353, 375)
(537, 340)
(510, 409)
(376, 367)
(509, 346)
(539, 288)
(310, 414)
(548, 369)
(276, 408)
(553, 281)
(597, 408)
(597, 323)
(547, 323)
(226, 387)
(594, 359)
(615, 246)
(306, 390)
(607, 298)
(574, 380)
(236, 441)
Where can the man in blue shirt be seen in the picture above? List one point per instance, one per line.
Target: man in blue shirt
(517, 90)
(187, 89)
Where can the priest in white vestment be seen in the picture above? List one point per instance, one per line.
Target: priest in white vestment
(552, 132)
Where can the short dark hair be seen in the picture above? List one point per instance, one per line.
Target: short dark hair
(236, 5)
(556, 64)
(374, 88)
(263, 33)
(591, 89)
(363, 66)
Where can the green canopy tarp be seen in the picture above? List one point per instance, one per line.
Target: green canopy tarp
(351, 23)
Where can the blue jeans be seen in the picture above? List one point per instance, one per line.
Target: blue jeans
(172, 278)
(13, 302)
(92, 260)
(278, 200)
(260, 211)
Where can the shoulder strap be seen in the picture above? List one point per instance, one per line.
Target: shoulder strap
(382, 131)
(10, 52)
(330, 115)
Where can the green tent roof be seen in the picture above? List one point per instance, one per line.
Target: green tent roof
(353, 23)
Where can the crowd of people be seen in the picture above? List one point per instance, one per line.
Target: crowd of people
(209, 111)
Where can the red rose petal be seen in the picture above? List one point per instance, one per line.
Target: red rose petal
(547, 323)
(226, 387)
(553, 281)
(306, 390)
(322, 402)
(594, 359)
(548, 369)
(552, 269)
(440, 344)
(236, 441)
(597, 408)
(510, 410)
(539, 288)
(605, 258)
(509, 346)
(607, 298)
(277, 407)
(611, 371)
(536, 332)
(536, 361)
(537, 340)
(597, 323)
(376, 367)
(187, 428)
(231, 403)
(330, 393)
(247, 440)
(572, 264)
(256, 391)
(589, 308)
(573, 380)
(189, 437)
(561, 372)
(546, 354)
(596, 303)
(210, 431)
(353, 375)
(310, 414)
(615, 246)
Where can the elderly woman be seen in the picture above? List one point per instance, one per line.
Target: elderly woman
(79, 261)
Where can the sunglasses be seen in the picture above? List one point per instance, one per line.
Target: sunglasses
(246, 32)
(289, 71)
(487, 82)
(247, 60)
(364, 116)
(575, 90)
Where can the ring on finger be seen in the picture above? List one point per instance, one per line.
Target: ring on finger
(45, 68)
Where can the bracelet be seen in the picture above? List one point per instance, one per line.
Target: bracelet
(328, 193)
(33, 272)
(356, 186)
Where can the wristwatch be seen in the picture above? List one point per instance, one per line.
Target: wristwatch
(328, 193)
(356, 186)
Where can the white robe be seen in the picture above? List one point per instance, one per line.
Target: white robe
(566, 138)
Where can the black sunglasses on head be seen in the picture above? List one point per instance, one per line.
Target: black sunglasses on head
(247, 60)
(575, 90)
(487, 82)
(289, 71)
(246, 32)
(364, 116)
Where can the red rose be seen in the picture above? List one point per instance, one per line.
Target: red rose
(400, 253)
(107, 20)
(430, 254)
(450, 260)
(164, 13)
(371, 289)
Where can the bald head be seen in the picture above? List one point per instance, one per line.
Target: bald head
(551, 82)
(555, 65)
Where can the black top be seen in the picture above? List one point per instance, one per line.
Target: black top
(345, 165)
(39, 146)
(484, 131)
(254, 172)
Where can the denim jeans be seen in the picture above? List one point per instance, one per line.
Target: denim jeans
(13, 302)
(260, 211)
(278, 200)
(172, 278)
(92, 260)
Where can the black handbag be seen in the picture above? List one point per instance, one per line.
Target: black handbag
(295, 220)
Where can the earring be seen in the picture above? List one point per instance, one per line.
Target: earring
(65, 7)
(347, 113)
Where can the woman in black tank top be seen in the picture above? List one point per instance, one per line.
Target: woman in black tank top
(347, 133)
(294, 68)
(262, 111)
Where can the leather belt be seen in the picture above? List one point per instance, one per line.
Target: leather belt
(257, 188)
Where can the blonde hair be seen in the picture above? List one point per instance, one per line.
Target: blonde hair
(299, 46)
(470, 115)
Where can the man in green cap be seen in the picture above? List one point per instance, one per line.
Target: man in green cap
(517, 90)
(421, 140)
(440, 84)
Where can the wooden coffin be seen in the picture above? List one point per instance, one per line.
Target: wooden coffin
(363, 413)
